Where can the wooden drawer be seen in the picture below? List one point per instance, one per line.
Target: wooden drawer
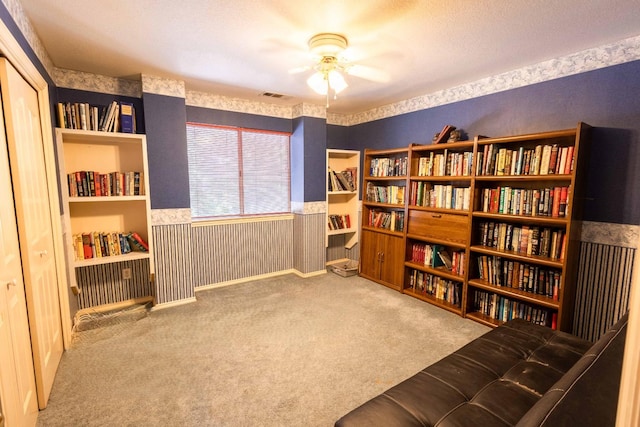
(442, 226)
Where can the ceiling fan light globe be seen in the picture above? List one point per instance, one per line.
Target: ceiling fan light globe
(318, 83)
(336, 81)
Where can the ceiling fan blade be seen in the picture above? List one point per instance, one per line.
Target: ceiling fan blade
(367, 73)
(300, 69)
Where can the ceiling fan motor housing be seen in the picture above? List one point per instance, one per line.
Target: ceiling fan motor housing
(327, 44)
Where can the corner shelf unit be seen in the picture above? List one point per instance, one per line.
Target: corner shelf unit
(342, 202)
(492, 226)
(83, 151)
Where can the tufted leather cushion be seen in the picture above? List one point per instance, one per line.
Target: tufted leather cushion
(587, 395)
(492, 381)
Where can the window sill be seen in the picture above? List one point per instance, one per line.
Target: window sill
(241, 220)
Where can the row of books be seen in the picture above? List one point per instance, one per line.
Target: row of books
(541, 160)
(437, 256)
(504, 309)
(99, 244)
(391, 194)
(95, 184)
(344, 180)
(424, 283)
(525, 277)
(440, 196)
(115, 117)
(446, 164)
(339, 222)
(392, 221)
(524, 239)
(551, 201)
(388, 166)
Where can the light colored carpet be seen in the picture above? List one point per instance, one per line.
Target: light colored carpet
(283, 351)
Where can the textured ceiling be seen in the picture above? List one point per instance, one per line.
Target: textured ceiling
(242, 48)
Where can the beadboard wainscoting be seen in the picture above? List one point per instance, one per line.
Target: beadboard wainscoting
(337, 251)
(309, 244)
(103, 284)
(229, 251)
(171, 230)
(607, 253)
(173, 262)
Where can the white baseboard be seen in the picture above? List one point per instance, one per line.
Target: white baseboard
(173, 303)
(259, 277)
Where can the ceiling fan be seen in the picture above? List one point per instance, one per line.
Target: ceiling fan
(329, 51)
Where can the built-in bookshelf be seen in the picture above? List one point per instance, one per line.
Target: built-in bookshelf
(342, 203)
(491, 227)
(384, 215)
(106, 207)
(114, 117)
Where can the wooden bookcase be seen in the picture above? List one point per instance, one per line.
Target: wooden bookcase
(439, 213)
(532, 212)
(384, 216)
(496, 196)
(104, 152)
(342, 203)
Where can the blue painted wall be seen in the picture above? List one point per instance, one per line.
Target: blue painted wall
(607, 99)
(165, 123)
(315, 159)
(297, 160)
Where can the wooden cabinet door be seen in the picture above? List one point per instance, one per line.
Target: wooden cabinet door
(369, 255)
(392, 260)
(382, 258)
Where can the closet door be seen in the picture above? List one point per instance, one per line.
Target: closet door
(17, 382)
(24, 140)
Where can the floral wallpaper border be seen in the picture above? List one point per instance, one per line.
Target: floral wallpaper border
(163, 86)
(605, 233)
(170, 216)
(308, 208)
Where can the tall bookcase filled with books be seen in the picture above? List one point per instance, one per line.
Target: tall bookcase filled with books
(343, 203)
(383, 216)
(524, 236)
(106, 203)
(488, 229)
(438, 223)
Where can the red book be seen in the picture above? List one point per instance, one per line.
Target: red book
(138, 241)
(553, 159)
(555, 209)
(568, 167)
(564, 193)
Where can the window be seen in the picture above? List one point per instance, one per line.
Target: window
(237, 172)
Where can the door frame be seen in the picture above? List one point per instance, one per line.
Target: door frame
(12, 50)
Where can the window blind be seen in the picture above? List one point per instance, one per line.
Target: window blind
(235, 172)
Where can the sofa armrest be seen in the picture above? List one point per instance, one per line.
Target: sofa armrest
(588, 393)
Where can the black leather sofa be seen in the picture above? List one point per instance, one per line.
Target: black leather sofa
(518, 374)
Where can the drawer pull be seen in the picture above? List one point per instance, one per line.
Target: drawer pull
(436, 216)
